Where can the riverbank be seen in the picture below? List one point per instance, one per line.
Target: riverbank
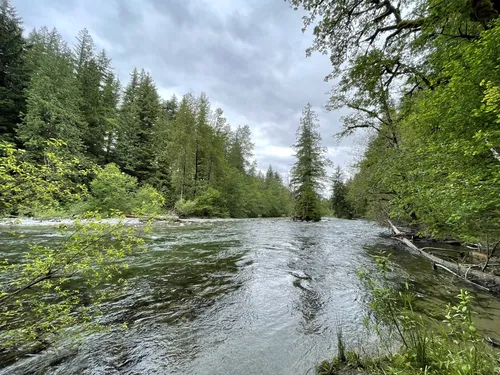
(168, 219)
(33, 222)
(411, 342)
(53, 222)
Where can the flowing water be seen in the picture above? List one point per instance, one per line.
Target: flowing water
(241, 297)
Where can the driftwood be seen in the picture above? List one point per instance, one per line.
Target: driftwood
(446, 250)
(479, 279)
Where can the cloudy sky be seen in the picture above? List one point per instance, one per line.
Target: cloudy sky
(248, 56)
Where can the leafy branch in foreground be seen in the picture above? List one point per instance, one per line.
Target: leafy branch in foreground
(54, 288)
(26, 187)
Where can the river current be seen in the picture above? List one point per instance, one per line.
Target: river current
(241, 297)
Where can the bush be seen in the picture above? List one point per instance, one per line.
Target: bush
(148, 201)
(115, 191)
(209, 204)
(30, 189)
(427, 347)
(185, 208)
(112, 190)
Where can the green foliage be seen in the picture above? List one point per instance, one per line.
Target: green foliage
(185, 208)
(52, 110)
(114, 191)
(460, 196)
(148, 201)
(99, 96)
(26, 188)
(139, 119)
(14, 74)
(209, 204)
(423, 80)
(340, 205)
(54, 288)
(428, 347)
(184, 150)
(309, 169)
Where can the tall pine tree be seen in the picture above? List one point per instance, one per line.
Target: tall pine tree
(14, 75)
(92, 76)
(340, 205)
(310, 168)
(139, 117)
(53, 96)
(181, 147)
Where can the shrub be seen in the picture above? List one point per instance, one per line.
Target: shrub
(185, 208)
(148, 201)
(29, 189)
(112, 190)
(209, 204)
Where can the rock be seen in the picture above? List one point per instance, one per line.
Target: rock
(300, 275)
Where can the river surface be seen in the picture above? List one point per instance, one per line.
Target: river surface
(241, 297)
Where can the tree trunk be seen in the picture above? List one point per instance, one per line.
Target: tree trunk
(196, 155)
(477, 278)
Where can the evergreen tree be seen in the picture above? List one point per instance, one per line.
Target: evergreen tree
(53, 98)
(110, 100)
(217, 163)
(139, 117)
(240, 148)
(181, 147)
(203, 142)
(171, 107)
(340, 205)
(128, 123)
(91, 74)
(14, 75)
(149, 107)
(309, 169)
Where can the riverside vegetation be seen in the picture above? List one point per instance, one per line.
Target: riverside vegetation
(451, 346)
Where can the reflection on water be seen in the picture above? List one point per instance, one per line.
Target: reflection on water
(241, 297)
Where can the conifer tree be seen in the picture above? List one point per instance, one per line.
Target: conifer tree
(53, 97)
(217, 160)
(110, 100)
(171, 107)
(128, 123)
(92, 76)
(139, 118)
(203, 141)
(240, 148)
(340, 205)
(14, 76)
(181, 147)
(309, 169)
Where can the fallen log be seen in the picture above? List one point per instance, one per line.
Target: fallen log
(446, 250)
(483, 280)
(463, 278)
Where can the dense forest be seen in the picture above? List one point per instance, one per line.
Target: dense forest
(422, 78)
(74, 140)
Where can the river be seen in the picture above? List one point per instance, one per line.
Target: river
(241, 297)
